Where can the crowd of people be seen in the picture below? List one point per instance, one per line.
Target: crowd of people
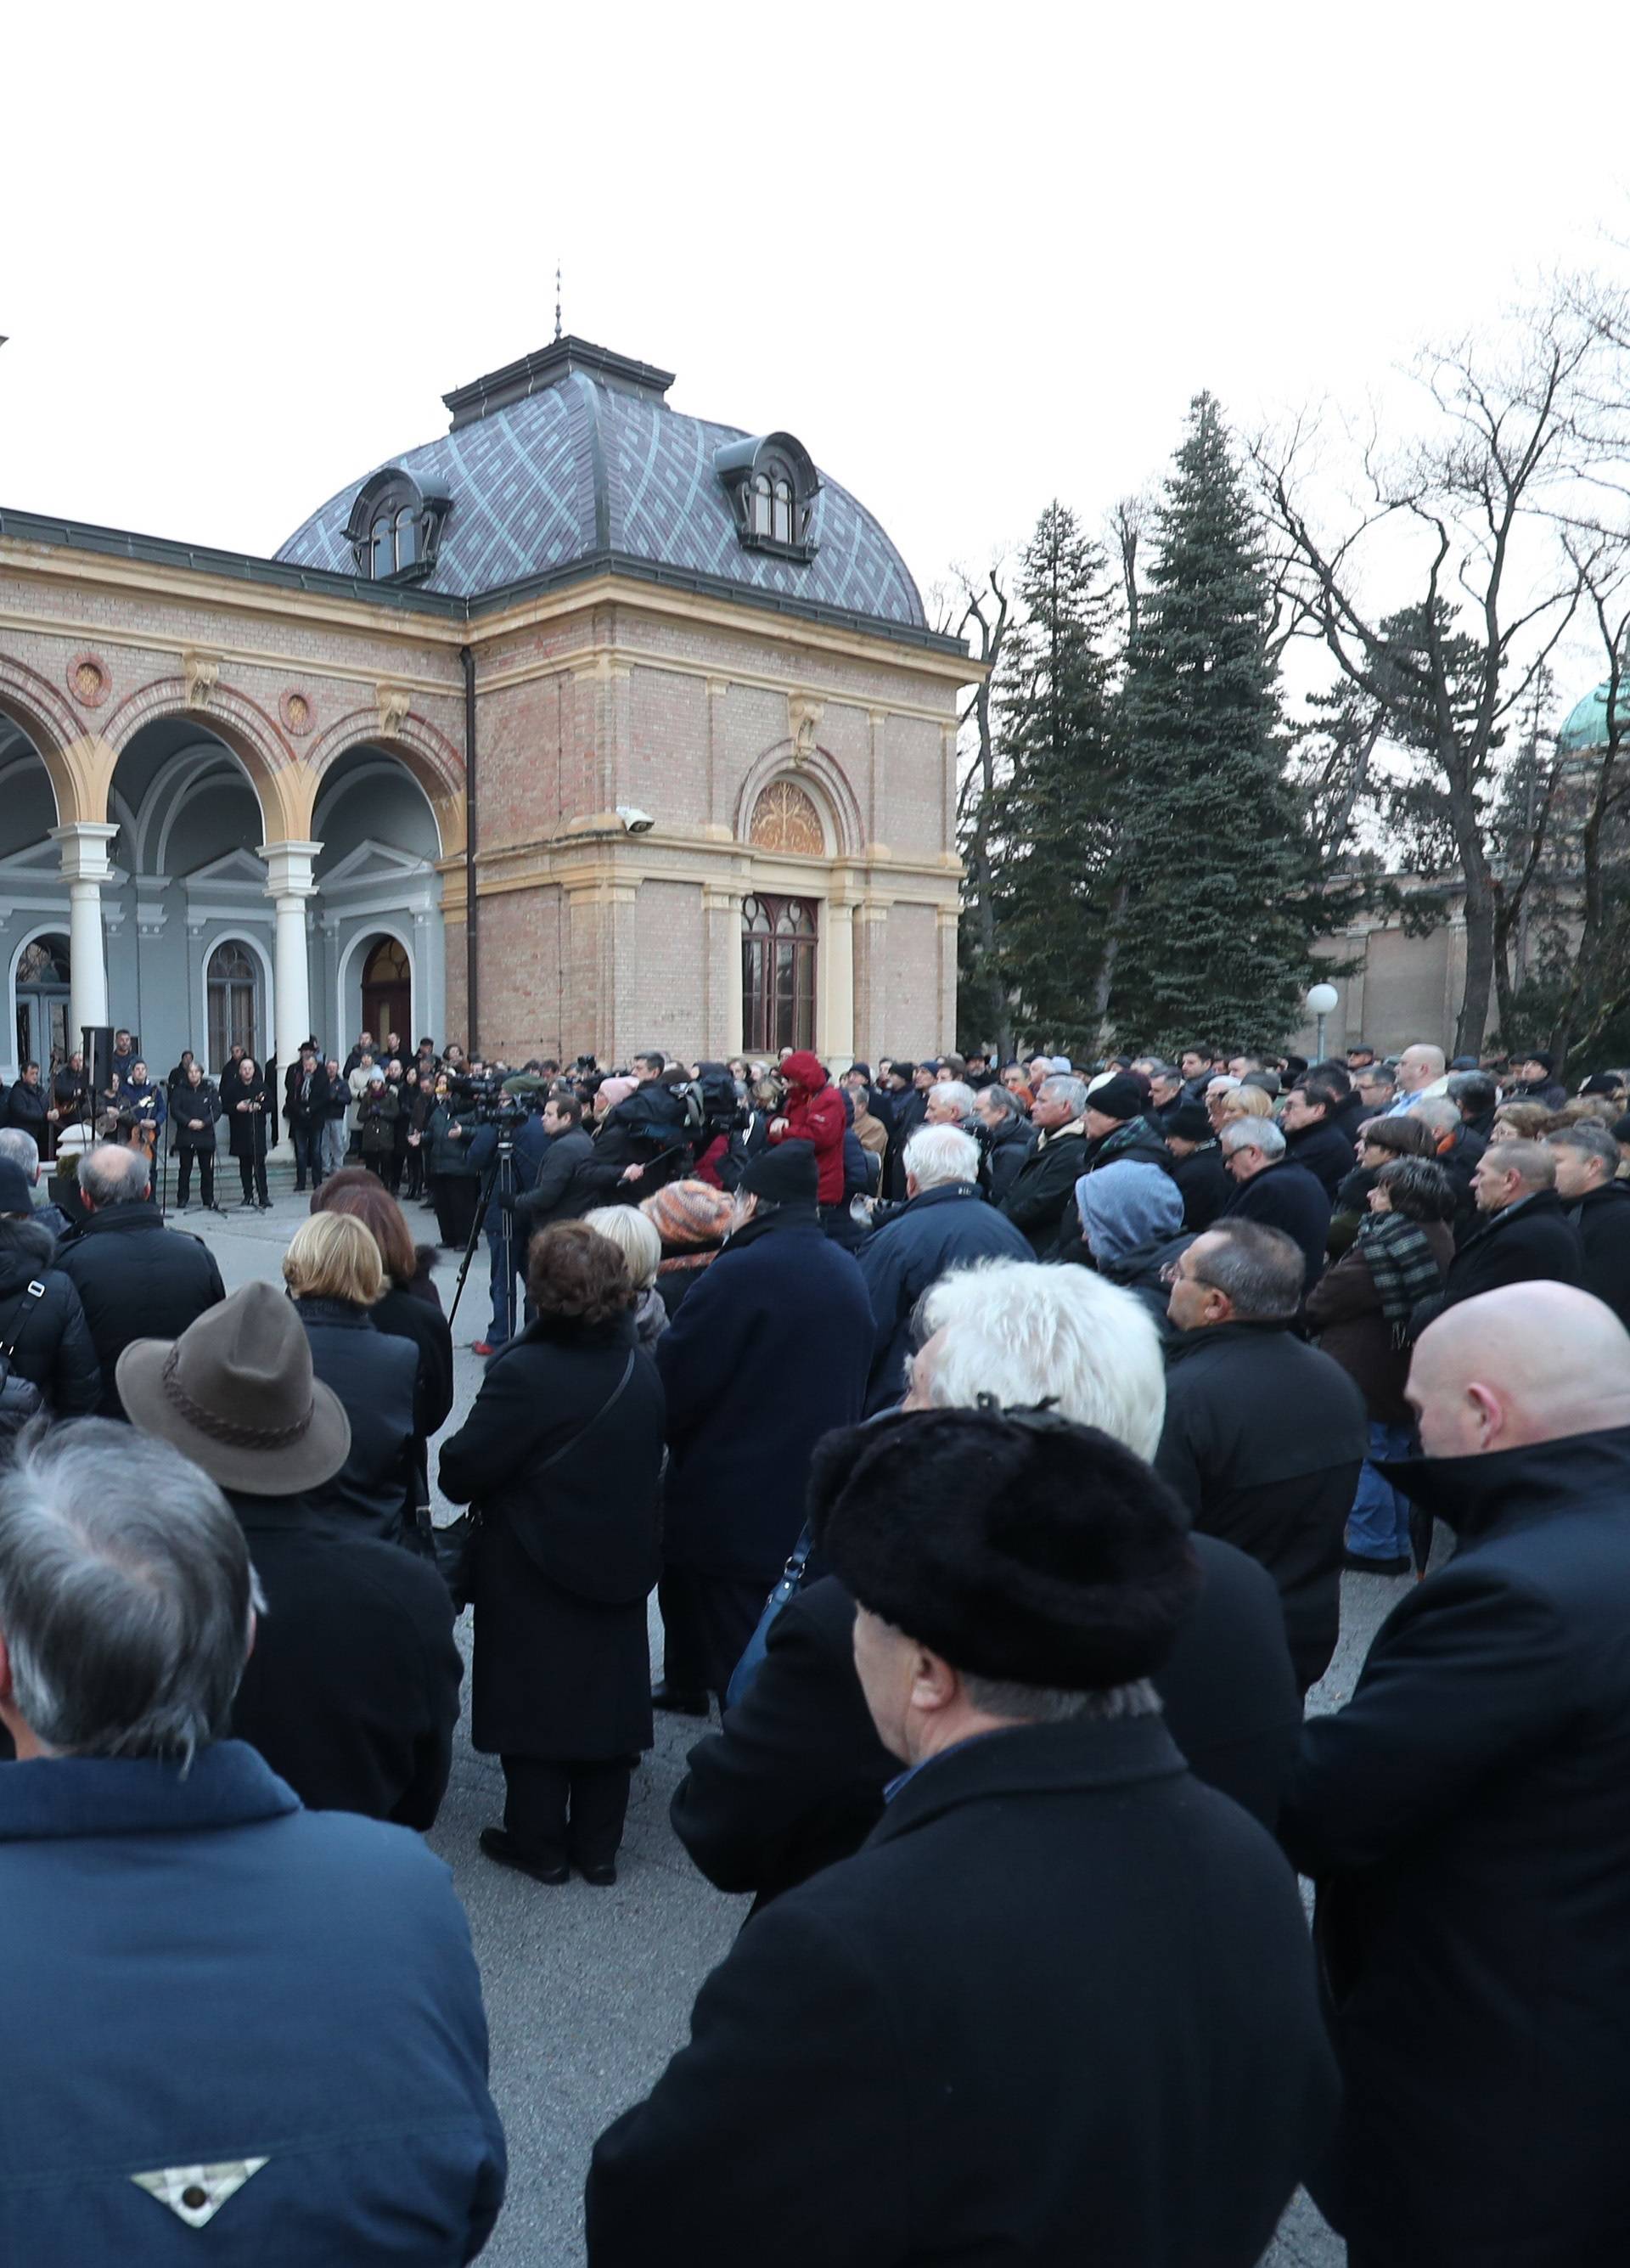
(994, 1438)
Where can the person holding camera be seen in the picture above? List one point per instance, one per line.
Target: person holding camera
(455, 1184)
(502, 1118)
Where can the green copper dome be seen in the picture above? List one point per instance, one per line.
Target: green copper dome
(1587, 721)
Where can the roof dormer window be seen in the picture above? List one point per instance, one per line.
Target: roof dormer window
(773, 485)
(394, 527)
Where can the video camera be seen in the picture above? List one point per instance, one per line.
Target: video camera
(484, 1101)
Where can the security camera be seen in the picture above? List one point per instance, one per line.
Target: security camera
(636, 822)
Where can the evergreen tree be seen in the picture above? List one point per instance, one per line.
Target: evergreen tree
(1220, 904)
(1050, 837)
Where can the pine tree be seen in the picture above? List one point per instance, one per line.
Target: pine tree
(1050, 837)
(1219, 904)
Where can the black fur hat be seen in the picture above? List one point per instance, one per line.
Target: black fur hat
(1016, 1544)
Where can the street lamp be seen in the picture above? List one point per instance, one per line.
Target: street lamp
(1321, 998)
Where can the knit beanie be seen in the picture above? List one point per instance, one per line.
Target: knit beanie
(688, 1213)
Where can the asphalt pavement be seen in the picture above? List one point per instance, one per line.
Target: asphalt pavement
(588, 1991)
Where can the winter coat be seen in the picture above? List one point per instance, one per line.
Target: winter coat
(146, 1102)
(1325, 1151)
(376, 1375)
(246, 1129)
(376, 1120)
(1530, 1241)
(814, 1112)
(1010, 1145)
(650, 1317)
(1287, 1196)
(25, 1107)
(448, 1156)
(794, 1780)
(405, 1313)
(1602, 1217)
(906, 1111)
(871, 1132)
(351, 1691)
(1207, 1189)
(902, 2043)
(1551, 1092)
(565, 1558)
(187, 1103)
(570, 1181)
(941, 1229)
(1464, 1818)
(351, 2072)
(136, 1279)
(307, 1107)
(1134, 1142)
(53, 1347)
(1041, 1195)
(770, 1350)
(1263, 1440)
(1344, 1313)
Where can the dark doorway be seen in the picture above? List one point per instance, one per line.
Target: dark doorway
(387, 991)
(777, 973)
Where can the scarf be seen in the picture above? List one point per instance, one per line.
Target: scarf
(1402, 1266)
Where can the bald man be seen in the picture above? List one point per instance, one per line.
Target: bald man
(1422, 1069)
(1467, 1815)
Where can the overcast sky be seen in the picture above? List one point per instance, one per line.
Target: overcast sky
(972, 257)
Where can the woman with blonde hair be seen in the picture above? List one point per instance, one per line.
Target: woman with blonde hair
(640, 1247)
(335, 1278)
(1243, 1102)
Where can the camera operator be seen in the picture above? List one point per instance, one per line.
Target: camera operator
(720, 1158)
(506, 1117)
(455, 1184)
(645, 1131)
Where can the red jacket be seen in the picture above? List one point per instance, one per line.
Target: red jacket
(814, 1112)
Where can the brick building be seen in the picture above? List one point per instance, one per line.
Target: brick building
(657, 693)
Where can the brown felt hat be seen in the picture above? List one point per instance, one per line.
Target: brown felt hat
(235, 1394)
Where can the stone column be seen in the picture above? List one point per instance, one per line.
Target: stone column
(721, 914)
(83, 849)
(290, 883)
(835, 1002)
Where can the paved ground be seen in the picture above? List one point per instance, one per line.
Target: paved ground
(588, 1991)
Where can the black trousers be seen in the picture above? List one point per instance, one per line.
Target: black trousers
(559, 1811)
(307, 1160)
(456, 1195)
(252, 1171)
(184, 1175)
(705, 1623)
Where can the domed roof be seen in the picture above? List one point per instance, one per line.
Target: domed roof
(573, 456)
(1586, 726)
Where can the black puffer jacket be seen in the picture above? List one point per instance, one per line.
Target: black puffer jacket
(53, 1347)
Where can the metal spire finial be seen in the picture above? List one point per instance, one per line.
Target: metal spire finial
(557, 298)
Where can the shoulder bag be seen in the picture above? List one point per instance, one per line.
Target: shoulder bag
(20, 1399)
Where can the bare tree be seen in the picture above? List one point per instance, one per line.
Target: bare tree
(1473, 505)
(986, 616)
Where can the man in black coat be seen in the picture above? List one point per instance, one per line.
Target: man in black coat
(567, 1184)
(1598, 1205)
(906, 1107)
(30, 1107)
(305, 1107)
(1525, 1234)
(898, 2042)
(1536, 1081)
(135, 1279)
(1197, 1166)
(1264, 1435)
(1042, 1193)
(351, 1689)
(796, 1779)
(40, 1317)
(769, 1350)
(1465, 1816)
(1009, 1137)
(1274, 1193)
(1314, 1135)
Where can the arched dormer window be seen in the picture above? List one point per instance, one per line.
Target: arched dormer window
(773, 486)
(394, 524)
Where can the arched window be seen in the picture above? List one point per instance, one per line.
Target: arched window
(387, 992)
(382, 549)
(42, 1001)
(778, 943)
(758, 505)
(773, 486)
(406, 537)
(781, 528)
(232, 991)
(394, 524)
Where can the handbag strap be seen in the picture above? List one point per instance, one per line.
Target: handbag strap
(30, 1301)
(605, 1410)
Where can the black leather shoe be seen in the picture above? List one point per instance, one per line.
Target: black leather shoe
(679, 1705)
(500, 1845)
(1361, 1565)
(601, 1877)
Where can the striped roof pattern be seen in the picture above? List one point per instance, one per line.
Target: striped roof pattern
(582, 467)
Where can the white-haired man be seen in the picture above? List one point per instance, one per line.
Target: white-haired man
(796, 1779)
(135, 1279)
(945, 1223)
(1273, 1191)
(1042, 1193)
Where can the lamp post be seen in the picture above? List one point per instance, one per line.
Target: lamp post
(1321, 998)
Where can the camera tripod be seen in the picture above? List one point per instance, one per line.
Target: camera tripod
(500, 1177)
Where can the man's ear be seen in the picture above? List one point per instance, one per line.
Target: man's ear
(934, 1684)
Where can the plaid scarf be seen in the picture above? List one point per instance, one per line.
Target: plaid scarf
(1402, 1265)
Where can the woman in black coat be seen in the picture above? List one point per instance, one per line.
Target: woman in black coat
(195, 1105)
(335, 1278)
(562, 1456)
(244, 1099)
(409, 1307)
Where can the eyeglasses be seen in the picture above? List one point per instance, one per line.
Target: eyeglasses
(1172, 1273)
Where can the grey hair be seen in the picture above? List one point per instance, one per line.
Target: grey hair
(1048, 1704)
(21, 1150)
(126, 1593)
(1531, 1163)
(956, 1091)
(1004, 1100)
(1475, 1087)
(112, 1175)
(1259, 1268)
(1252, 1134)
(1223, 1082)
(1591, 1138)
(1066, 1088)
(1028, 1333)
(936, 1156)
(1437, 1112)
